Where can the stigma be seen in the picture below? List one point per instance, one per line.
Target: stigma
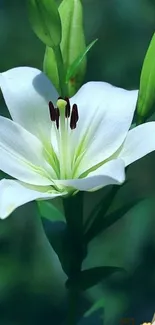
(63, 110)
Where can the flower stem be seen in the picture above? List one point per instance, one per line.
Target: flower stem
(61, 71)
(72, 307)
(73, 208)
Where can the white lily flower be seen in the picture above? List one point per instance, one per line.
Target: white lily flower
(85, 144)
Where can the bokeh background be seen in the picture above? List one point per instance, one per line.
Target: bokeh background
(32, 290)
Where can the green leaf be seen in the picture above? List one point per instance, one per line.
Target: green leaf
(116, 215)
(45, 21)
(96, 306)
(73, 69)
(49, 211)
(146, 96)
(73, 40)
(101, 223)
(65, 247)
(112, 247)
(99, 211)
(89, 278)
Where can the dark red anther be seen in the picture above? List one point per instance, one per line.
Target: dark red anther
(73, 120)
(57, 117)
(68, 107)
(75, 109)
(52, 111)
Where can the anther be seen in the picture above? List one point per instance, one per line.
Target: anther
(52, 111)
(57, 117)
(68, 108)
(73, 120)
(75, 109)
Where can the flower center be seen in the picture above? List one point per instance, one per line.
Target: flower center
(63, 108)
(64, 118)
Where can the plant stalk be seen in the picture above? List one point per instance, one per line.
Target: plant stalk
(73, 208)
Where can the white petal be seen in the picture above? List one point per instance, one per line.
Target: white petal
(105, 116)
(14, 194)
(110, 173)
(27, 92)
(22, 155)
(139, 142)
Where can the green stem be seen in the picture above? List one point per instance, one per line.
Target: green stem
(61, 71)
(73, 208)
(72, 304)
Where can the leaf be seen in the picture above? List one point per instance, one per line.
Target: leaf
(96, 306)
(99, 211)
(72, 70)
(118, 214)
(45, 21)
(100, 223)
(146, 96)
(65, 246)
(66, 238)
(49, 211)
(89, 278)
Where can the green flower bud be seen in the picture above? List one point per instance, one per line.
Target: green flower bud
(73, 40)
(146, 97)
(72, 46)
(45, 21)
(50, 67)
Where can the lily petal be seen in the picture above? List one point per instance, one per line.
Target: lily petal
(14, 194)
(27, 92)
(112, 172)
(22, 155)
(139, 142)
(105, 116)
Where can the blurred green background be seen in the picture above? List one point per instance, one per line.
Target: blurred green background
(32, 288)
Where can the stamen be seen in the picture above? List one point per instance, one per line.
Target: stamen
(57, 117)
(52, 111)
(62, 110)
(75, 109)
(73, 120)
(64, 117)
(68, 108)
